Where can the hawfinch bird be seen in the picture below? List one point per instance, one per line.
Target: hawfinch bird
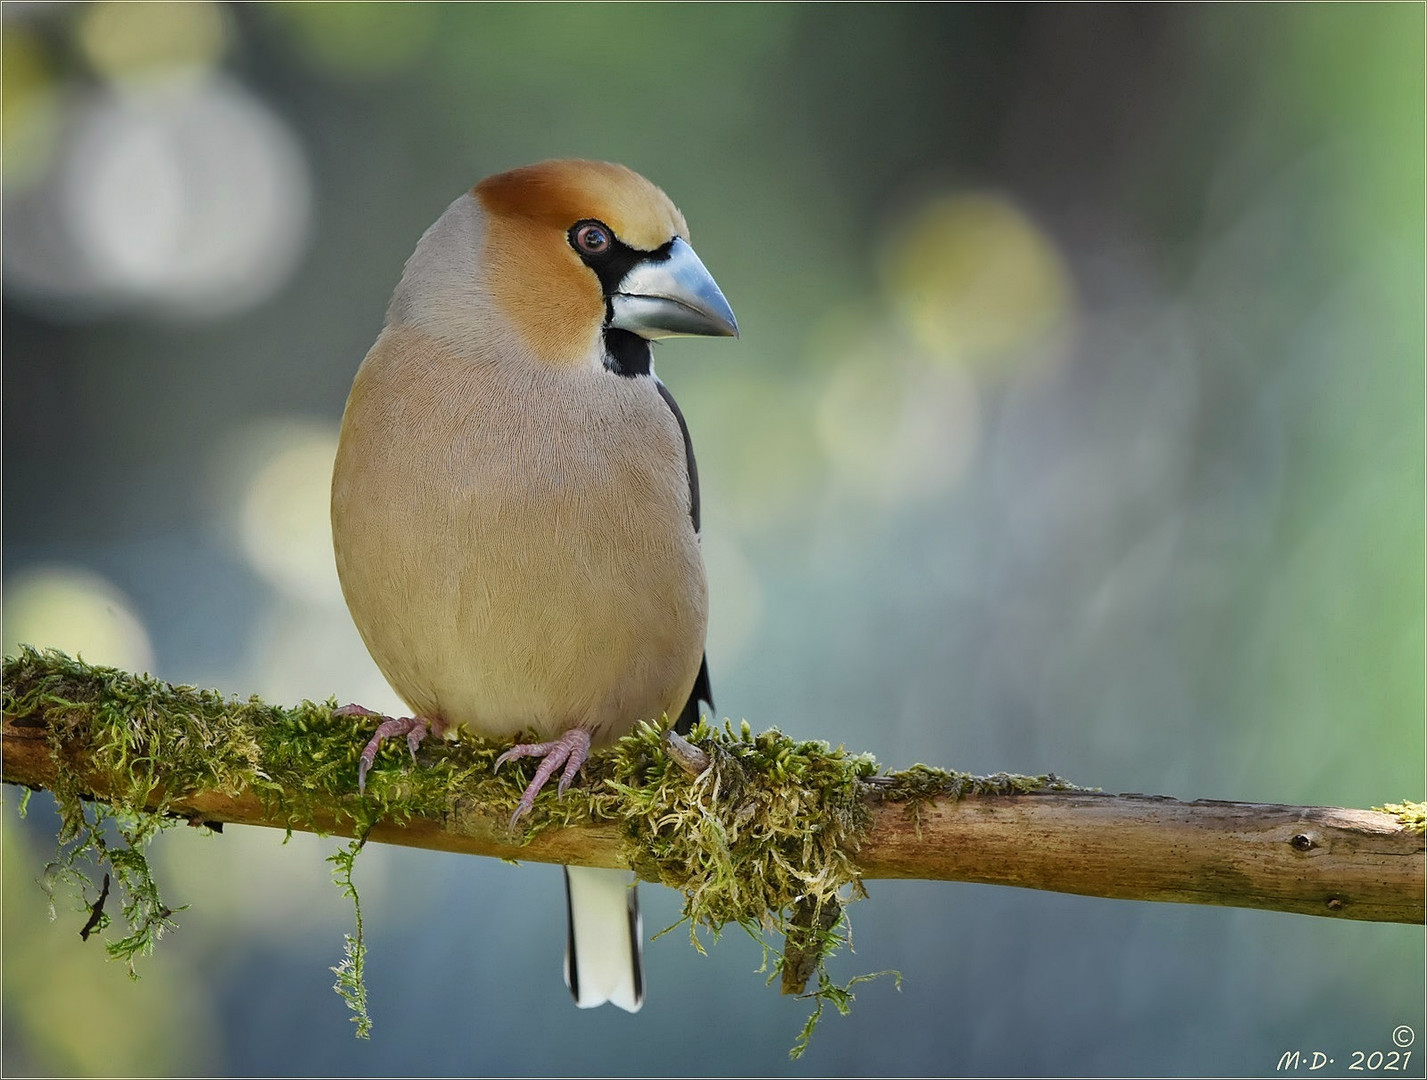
(515, 506)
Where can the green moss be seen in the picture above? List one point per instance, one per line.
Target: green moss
(762, 839)
(770, 822)
(351, 984)
(1411, 815)
(921, 784)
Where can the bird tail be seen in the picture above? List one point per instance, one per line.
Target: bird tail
(604, 959)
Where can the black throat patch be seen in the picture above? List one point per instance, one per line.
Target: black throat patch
(626, 353)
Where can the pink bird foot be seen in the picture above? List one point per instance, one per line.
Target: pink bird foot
(413, 727)
(569, 750)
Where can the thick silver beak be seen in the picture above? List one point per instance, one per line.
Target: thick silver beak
(672, 297)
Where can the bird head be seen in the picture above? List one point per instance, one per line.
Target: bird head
(588, 258)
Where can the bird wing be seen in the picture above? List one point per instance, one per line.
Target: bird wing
(703, 691)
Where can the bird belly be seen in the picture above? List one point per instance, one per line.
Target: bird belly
(545, 640)
(531, 569)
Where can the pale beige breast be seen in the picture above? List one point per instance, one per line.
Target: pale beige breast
(514, 542)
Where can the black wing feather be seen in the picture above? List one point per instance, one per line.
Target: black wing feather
(703, 691)
(688, 452)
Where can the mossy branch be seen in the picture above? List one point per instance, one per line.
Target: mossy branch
(762, 831)
(141, 744)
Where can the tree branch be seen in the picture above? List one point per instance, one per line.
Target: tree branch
(1356, 864)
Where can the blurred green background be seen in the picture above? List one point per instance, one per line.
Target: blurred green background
(1076, 424)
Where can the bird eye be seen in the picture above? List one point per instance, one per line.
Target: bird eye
(591, 238)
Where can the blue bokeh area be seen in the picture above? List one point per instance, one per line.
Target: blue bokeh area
(1076, 425)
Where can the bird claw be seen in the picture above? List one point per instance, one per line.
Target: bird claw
(354, 710)
(413, 727)
(570, 751)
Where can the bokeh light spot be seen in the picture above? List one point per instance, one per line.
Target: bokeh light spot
(975, 280)
(194, 197)
(124, 40)
(154, 1025)
(30, 112)
(362, 39)
(68, 608)
(893, 425)
(283, 490)
(240, 882)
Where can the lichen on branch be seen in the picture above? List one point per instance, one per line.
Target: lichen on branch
(1412, 816)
